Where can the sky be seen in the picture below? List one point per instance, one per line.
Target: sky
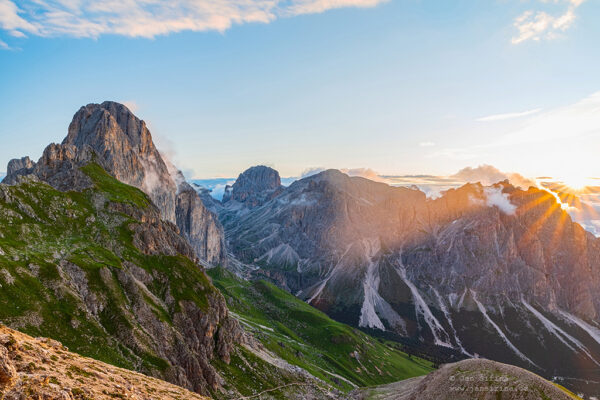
(398, 87)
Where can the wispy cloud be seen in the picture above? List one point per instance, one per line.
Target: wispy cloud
(132, 105)
(148, 19)
(362, 172)
(573, 121)
(488, 175)
(538, 25)
(505, 116)
(427, 144)
(11, 21)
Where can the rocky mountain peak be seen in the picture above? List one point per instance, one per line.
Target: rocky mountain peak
(126, 150)
(85, 124)
(19, 164)
(255, 186)
(112, 136)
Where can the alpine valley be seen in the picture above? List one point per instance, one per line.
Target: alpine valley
(333, 287)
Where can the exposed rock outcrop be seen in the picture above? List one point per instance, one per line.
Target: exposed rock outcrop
(255, 186)
(200, 226)
(19, 164)
(44, 369)
(8, 373)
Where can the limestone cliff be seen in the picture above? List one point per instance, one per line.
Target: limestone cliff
(112, 136)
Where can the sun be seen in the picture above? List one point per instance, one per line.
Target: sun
(577, 183)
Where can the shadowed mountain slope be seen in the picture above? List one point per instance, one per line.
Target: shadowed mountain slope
(497, 271)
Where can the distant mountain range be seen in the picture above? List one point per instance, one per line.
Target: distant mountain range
(494, 271)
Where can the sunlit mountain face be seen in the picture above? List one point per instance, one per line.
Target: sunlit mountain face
(579, 196)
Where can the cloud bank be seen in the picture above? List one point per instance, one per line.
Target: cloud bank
(513, 115)
(150, 18)
(538, 25)
(488, 175)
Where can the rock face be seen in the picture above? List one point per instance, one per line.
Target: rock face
(19, 164)
(8, 373)
(44, 369)
(199, 226)
(255, 186)
(125, 147)
(112, 136)
(496, 271)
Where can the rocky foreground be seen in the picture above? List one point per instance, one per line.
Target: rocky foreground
(41, 368)
(467, 380)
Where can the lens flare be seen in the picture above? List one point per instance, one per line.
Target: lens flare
(577, 182)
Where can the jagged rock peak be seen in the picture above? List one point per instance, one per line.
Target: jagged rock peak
(255, 186)
(19, 164)
(134, 128)
(112, 136)
(125, 145)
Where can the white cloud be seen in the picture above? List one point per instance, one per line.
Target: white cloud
(132, 105)
(362, 172)
(150, 18)
(219, 189)
(513, 115)
(540, 133)
(538, 25)
(488, 175)
(11, 21)
(427, 144)
(495, 197)
(365, 173)
(311, 171)
(318, 6)
(574, 120)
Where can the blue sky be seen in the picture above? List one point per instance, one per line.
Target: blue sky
(400, 87)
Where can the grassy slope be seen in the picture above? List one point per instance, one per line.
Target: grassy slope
(308, 338)
(40, 226)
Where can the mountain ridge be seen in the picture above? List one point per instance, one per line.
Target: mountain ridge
(508, 260)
